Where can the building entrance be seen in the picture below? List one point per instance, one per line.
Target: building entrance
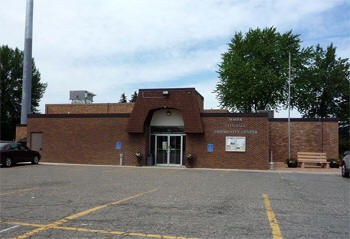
(169, 149)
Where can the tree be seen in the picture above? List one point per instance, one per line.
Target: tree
(11, 75)
(133, 97)
(254, 71)
(321, 90)
(123, 98)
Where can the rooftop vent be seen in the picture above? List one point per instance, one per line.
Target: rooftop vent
(81, 97)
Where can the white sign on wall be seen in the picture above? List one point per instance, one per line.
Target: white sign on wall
(235, 144)
(164, 145)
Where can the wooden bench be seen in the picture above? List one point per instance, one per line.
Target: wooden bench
(312, 158)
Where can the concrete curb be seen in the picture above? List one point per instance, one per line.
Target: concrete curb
(200, 169)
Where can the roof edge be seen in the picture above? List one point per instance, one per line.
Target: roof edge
(304, 120)
(173, 89)
(234, 115)
(102, 115)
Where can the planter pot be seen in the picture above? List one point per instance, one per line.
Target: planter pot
(333, 165)
(139, 162)
(292, 165)
(189, 163)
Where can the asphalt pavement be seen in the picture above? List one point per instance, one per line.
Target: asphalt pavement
(75, 201)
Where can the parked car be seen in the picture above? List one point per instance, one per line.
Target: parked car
(12, 153)
(345, 169)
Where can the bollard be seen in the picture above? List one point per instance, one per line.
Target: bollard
(272, 166)
(121, 159)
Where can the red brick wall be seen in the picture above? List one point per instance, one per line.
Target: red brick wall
(184, 100)
(89, 108)
(21, 132)
(87, 140)
(83, 139)
(305, 137)
(257, 143)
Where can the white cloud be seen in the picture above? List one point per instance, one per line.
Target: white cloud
(110, 45)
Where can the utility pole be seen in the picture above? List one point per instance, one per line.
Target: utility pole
(289, 107)
(27, 64)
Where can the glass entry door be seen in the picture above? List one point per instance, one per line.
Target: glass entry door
(169, 149)
(161, 149)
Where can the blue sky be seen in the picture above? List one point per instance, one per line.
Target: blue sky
(110, 47)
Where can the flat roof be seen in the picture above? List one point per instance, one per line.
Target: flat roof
(173, 89)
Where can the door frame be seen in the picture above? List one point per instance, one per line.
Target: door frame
(168, 149)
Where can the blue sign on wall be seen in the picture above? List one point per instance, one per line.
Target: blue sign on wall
(118, 145)
(210, 147)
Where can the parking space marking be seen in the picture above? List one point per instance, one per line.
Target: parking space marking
(281, 175)
(122, 233)
(83, 213)
(276, 232)
(19, 191)
(137, 234)
(26, 224)
(7, 229)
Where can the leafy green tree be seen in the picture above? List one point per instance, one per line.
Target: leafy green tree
(123, 98)
(11, 75)
(321, 90)
(133, 97)
(254, 71)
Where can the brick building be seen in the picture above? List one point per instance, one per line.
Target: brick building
(165, 124)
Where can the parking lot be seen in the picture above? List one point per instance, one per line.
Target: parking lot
(75, 201)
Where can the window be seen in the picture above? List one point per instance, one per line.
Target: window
(22, 147)
(14, 147)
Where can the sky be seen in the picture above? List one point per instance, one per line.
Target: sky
(113, 46)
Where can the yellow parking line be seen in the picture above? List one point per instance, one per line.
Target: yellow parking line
(103, 231)
(26, 224)
(276, 232)
(19, 191)
(122, 233)
(83, 213)
(281, 176)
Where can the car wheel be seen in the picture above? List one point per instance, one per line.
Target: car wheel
(344, 171)
(8, 162)
(35, 160)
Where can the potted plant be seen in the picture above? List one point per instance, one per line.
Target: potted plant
(139, 158)
(334, 163)
(292, 162)
(189, 160)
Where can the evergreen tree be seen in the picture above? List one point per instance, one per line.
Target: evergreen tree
(133, 97)
(123, 98)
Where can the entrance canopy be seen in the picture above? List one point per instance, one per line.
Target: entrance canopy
(169, 117)
(184, 102)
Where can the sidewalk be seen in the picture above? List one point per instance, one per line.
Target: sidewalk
(308, 168)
